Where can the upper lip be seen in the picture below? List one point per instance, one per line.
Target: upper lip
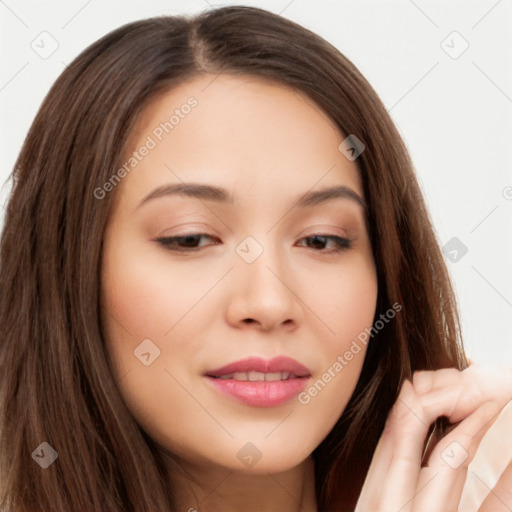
(257, 364)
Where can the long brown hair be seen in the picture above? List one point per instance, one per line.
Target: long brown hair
(56, 384)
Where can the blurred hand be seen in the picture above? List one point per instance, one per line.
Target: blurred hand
(397, 481)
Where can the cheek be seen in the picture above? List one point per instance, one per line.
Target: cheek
(146, 298)
(345, 302)
(146, 295)
(141, 300)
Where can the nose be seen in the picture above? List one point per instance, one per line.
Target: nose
(264, 294)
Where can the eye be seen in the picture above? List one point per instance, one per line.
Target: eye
(184, 243)
(340, 243)
(189, 243)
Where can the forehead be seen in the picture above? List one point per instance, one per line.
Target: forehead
(242, 132)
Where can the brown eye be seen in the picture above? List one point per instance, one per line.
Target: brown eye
(189, 243)
(183, 243)
(319, 241)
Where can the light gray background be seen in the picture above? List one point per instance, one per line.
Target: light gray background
(455, 114)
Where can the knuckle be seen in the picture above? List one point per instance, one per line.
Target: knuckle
(407, 412)
(422, 381)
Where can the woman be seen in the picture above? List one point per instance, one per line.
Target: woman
(259, 371)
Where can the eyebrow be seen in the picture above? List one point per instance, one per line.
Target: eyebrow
(221, 195)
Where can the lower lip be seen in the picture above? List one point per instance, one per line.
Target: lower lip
(260, 393)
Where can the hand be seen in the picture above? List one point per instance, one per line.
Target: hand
(396, 480)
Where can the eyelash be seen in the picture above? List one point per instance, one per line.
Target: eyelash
(342, 244)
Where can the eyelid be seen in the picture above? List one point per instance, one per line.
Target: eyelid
(342, 243)
(320, 228)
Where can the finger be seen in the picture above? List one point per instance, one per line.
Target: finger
(441, 484)
(369, 497)
(427, 380)
(463, 400)
(408, 426)
(409, 423)
(462, 443)
(376, 482)
(490, 380)
(439, 489)
(500, 497)
(438, 432)
(395, 470)
(397, 459)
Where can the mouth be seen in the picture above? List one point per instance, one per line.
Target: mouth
(257, 369)
(258, 376)
(260, 383)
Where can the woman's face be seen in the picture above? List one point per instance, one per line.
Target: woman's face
(259, 283)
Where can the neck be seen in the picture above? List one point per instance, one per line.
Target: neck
(216, 489)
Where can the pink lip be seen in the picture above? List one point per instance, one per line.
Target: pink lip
(261, 393)
(256, 364)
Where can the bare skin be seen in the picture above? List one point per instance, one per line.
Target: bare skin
(267, 146)
(396, 480)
